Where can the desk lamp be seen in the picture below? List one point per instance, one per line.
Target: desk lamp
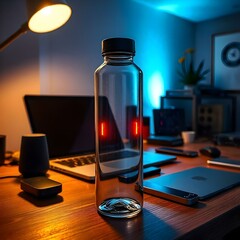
(43, 16)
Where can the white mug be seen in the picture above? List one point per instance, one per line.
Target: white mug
(188, 136)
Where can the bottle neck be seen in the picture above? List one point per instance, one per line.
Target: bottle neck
(118, 58)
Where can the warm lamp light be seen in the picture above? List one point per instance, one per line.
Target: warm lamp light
(44, 16)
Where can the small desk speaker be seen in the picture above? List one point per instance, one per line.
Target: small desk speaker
(210, 119)
(168, 122)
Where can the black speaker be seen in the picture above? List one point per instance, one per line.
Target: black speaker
(210, 119)
(131, 115)
(146, 127)
(168, 122)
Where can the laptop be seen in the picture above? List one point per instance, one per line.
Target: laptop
(205, 182)
(68, 122)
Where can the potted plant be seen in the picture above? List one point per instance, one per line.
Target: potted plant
(189, 75)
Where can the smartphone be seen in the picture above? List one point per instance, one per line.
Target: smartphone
(175, 151)
(131, 176)
(175, 195)
(223, 161)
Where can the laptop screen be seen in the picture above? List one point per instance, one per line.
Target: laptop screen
(68, 122)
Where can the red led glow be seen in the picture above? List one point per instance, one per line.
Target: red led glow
(136, 128)
(103, 130)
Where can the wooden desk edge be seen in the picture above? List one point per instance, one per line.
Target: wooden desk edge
(217, 228)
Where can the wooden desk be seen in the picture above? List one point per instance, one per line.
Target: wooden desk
(73, 215)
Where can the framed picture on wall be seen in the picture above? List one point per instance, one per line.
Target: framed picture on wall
(226, 61)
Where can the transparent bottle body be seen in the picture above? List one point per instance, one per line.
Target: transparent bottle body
(118, 116)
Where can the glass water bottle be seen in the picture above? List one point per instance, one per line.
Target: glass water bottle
(118, 85)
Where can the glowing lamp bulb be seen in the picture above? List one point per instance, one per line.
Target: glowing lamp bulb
(50, 18)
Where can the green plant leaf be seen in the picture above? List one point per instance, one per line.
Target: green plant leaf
(189, 75)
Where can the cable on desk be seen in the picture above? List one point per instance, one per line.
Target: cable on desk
(13, 176)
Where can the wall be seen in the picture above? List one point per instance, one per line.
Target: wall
(205, 30)
(63, 62)
(203, 36)
(68, 57)
(19, 72)
(68, 63)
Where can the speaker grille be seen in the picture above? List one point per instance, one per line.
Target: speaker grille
(210, 119)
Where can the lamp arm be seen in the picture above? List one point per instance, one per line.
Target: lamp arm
(23, 29)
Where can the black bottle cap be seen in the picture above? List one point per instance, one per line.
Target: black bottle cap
(118, 45)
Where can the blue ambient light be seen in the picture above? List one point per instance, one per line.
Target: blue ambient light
(155, 89)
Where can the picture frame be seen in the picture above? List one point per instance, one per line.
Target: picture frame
(226, 61)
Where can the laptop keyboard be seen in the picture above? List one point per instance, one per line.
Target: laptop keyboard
(77, 161)
(84, 160)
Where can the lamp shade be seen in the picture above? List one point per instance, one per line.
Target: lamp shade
(47, 15)
(43, 16)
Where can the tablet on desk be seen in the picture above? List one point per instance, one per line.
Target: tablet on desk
(205, 182)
